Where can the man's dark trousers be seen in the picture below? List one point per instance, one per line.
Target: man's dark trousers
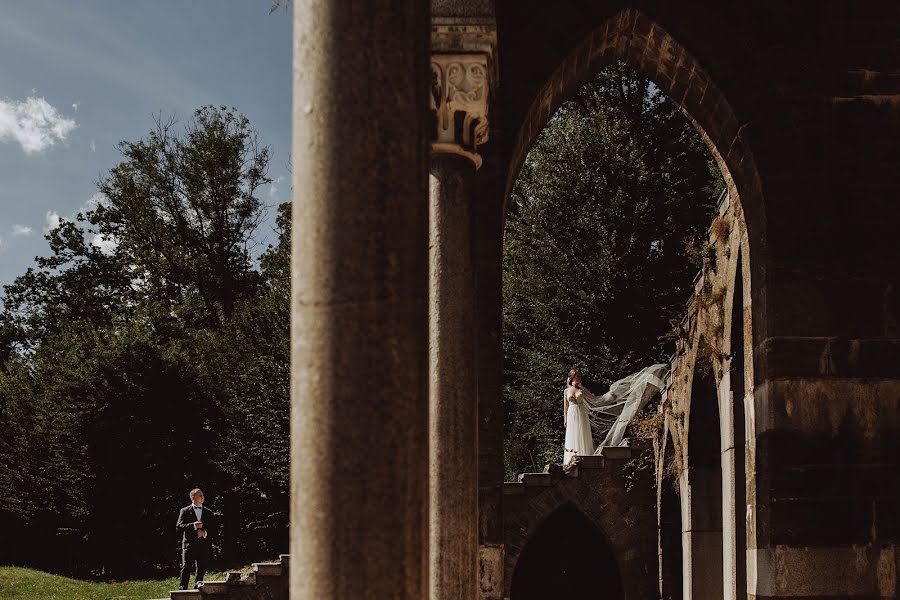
(195, 552)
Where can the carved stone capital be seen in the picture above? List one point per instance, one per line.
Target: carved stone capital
(462, 75)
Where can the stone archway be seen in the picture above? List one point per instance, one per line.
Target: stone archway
(608, 490)
(647, 47)
(567, 557)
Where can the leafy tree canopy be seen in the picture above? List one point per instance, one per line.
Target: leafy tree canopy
(169, 233)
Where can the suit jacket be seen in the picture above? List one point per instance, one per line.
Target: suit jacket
(185, 525)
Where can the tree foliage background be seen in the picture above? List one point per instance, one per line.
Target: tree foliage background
(147, 355)
(606, 223)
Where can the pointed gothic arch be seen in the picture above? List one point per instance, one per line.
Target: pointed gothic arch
(567, 556)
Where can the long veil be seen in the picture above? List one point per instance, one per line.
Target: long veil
(611, 412)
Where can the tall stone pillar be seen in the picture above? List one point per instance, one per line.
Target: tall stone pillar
(359, 415)
(453, 391)
(459, 104)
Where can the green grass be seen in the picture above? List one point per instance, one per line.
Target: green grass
(27, 584)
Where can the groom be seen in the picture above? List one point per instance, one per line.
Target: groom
(195, 524)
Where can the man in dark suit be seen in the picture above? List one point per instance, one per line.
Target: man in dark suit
(195, 523)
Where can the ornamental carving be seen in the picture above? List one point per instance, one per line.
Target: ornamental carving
(459, 103)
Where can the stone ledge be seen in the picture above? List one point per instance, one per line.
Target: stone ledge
(513, 488)
(267, 569)
(237, 578)
(589, 462)
(616, 453)
(536, 479)
(560, 472)
(209, 588)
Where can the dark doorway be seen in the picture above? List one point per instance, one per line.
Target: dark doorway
(567, 557)
(703, 538)
(671, 562)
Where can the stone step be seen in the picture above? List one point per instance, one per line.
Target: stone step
(211, 588)
(590, 462)
(513, 488)
(559, 472)
(241, 578)
(267, 569)
(616, 453)
(536, 479)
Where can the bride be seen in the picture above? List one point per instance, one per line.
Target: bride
(575, 418)
(608, 414)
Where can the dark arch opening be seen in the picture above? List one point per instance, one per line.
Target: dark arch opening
(703, 535)
(671, 558)
(567, 557)
(737, 378)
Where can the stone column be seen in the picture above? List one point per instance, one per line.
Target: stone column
(359, 328)
(459, 103)
(453, 391)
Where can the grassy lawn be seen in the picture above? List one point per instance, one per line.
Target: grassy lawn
(26, 584)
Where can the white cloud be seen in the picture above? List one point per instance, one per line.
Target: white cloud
(53, 220)
(93, 146)
(91, 203)
(75, 106)
(21, 230)
(34, 123)
(275, 187)
(106, 245)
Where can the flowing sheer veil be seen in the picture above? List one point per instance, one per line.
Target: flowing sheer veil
(611, 412)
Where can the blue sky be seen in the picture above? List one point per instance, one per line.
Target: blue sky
(77, 77)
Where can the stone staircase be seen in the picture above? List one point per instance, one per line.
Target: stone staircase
(264, 581)
(533, 484)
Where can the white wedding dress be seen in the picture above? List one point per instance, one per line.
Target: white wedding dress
(608, 415)
(579, 441)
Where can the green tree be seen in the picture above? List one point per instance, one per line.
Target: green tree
(108, 388)
(246, 365)
(183, 211)
(615, 191)
(171, 234)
